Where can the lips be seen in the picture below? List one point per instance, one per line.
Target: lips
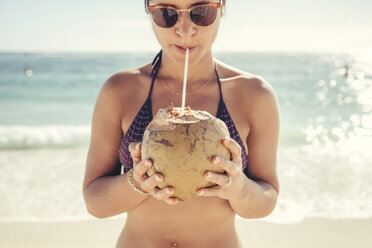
(183, 48)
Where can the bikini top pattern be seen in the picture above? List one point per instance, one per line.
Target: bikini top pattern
(144, 116)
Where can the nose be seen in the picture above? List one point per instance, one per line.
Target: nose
(185, 27)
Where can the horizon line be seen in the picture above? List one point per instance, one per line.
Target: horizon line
(251, 51)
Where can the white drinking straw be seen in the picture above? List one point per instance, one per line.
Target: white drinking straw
(185, 81)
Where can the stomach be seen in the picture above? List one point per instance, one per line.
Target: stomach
(200, 222)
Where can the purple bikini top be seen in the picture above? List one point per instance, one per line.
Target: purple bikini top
(144, 116)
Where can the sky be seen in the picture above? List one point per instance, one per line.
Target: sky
(341, 26)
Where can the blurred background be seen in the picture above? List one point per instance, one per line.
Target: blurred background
(55, 56)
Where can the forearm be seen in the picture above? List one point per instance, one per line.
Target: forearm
(111, 195)
(258, 199)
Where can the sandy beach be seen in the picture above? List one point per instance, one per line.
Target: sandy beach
(318, 233)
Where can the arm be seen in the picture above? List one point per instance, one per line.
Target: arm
(260, 190)
(253, 195)
(106, 192)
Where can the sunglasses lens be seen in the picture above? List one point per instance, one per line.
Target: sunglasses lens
(203, 15)
(165, 17)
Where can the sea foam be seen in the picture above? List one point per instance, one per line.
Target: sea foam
(29, 137)
(328, 181)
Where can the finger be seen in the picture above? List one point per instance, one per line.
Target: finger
(228, 182)
(150, 183)
(135, 151)
(235, 149)
(162, 194)
(172, 201)
(140, 169)
(212, 191)
(230, 167)
(220, 179)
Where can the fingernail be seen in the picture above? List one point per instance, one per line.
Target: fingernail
(157, 178)
(216, 160)
(147, 163)
(227, 140)
(209, 175)
(137, 146)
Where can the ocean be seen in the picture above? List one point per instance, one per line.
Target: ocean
(324, 155)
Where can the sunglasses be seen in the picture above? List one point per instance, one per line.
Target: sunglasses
(167, 16)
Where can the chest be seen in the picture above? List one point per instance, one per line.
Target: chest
(207, 100)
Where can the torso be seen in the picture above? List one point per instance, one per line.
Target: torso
(201, 222)
(188, 224)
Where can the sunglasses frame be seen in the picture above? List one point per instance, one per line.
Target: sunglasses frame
(160, 6)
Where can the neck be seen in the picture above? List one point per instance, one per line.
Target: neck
(199, 70)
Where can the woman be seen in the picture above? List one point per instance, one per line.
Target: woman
(126, 104)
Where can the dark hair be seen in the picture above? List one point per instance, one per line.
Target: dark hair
(222, 8)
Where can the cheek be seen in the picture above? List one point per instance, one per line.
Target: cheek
(211, 34)
(160, 34)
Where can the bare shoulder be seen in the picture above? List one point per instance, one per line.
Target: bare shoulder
(122, 87)
(125, 81)
(246, 87)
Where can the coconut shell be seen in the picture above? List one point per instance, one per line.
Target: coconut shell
(181, 148)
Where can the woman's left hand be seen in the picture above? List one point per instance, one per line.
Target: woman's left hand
(230, 185)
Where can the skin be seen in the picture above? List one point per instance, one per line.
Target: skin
(157, 219)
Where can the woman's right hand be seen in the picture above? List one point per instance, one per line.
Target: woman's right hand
(146, 183)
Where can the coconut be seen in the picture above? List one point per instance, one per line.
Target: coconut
(181, 146)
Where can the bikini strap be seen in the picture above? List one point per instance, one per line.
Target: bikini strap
(219, 83)
(155, 69)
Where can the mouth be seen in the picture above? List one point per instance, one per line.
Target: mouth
(183, 48)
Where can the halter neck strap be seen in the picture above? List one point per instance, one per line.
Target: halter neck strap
(155, 69)
(218, 81)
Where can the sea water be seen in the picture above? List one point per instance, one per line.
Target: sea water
(325, 148)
